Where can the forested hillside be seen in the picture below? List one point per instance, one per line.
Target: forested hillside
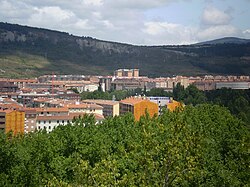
(28, 52)
(196, 146)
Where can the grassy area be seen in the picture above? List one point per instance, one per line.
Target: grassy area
(22, 65)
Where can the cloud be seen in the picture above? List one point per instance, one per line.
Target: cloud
(118, 20)
(213, 16)
(170, 33)
(136, 4)
(217, 32)
(246, 31)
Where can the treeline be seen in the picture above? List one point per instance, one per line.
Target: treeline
(237, 101)
(202, 145)
(122, 94)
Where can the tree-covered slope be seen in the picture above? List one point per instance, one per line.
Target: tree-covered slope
(199, 146)
(64, 53)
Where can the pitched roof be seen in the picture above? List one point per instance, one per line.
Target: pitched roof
(101, 102)
(83, 105)
(132, 100)
(64, 109)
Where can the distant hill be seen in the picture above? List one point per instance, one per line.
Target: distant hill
(28, 52)
(226, 40)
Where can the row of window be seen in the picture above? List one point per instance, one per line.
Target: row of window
(44, 122)
(49, 127)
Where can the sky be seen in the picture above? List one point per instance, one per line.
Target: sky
(140, 22)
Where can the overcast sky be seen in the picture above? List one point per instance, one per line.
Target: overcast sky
(143, 22)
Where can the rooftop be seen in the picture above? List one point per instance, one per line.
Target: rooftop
(100, 101)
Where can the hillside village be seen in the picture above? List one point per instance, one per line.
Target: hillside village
(27, 105)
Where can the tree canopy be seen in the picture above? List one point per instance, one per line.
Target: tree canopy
(202, 145)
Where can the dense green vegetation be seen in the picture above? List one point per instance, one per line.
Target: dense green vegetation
(63, 53)
(122, 94)
(199, 146)
(237, 101)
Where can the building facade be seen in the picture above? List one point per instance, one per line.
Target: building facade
(110, 108)
(12, 120)
(138, 107)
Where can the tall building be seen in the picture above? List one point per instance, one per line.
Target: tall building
(138, 107)
(12, 120)
(127, 73)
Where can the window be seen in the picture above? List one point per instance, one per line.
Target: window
(57, 121)
(49, 122)
(62, 121)
(49, 127)
(41, 112)
(44, 122)
(39, 122)
(39, 127)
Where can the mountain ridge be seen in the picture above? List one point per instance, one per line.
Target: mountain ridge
(225, 40)
(27, 52)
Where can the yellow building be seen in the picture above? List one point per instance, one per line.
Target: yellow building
(138, 107)
(172, 105)
(11, 120)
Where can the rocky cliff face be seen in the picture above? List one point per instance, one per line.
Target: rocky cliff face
(28, 34)
(42, 51)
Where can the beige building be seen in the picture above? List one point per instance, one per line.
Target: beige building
(110, 108)
(85, 108)
(127, 73)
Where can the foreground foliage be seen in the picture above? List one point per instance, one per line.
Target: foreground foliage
(200, 146)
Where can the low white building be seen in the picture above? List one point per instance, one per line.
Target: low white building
(161, 101)
(51, 122)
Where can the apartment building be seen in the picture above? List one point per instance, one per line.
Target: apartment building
(105, 83)
(84, 108)
(51, 122)
(30, 119)
(128, 83)
(233, 85)
(6, 86)
(138, 107)
(50, 118)
(21, 83)
(160, 101)
(110, 108)
(47, 78)
(173, 105)
(12, 120)
(126, 73)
